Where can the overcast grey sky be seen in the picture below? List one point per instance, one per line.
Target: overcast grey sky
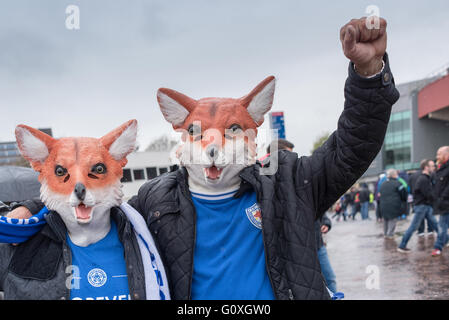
(86, 82)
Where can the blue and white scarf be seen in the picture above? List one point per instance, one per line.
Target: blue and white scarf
(19, 230)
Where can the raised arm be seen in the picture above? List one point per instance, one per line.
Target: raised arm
(369, 95)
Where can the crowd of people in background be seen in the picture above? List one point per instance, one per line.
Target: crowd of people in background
(397, 194)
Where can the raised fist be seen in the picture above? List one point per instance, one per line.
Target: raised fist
(365, 43)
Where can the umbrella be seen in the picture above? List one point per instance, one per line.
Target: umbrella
(18, 184)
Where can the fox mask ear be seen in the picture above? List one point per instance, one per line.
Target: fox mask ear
(121, 141)
(34, 145)
(260, 100)
(175, 106)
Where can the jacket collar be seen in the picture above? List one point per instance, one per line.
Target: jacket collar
(182, 179)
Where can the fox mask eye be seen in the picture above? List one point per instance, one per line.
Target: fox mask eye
(60, 171)
(99, 168)
(232, 131)
(235, 128)
(195, 131)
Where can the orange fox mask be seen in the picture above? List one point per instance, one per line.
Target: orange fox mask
(218, 134)
(80, 177)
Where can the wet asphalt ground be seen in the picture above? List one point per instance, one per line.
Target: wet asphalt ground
(368, 267)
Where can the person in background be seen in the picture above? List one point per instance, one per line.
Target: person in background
(412, 180)
(283, 144)
(441, 203)
(343, 210)
(323, 226)
(392, 194)
(355, 202)
(364, 197)
(404, 179)
(383, 178)
(372, 204)
(377, 197)
(423, 197)
(337, 209)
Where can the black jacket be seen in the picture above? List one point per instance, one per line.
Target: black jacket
(392, 194)
(422, 190)
(345, 201)
(37, 269)
(364, 194)
(300, 191)
(441, 190)
(412, 181)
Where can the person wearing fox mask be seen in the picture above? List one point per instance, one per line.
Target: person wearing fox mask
(92, 246)
(228, 230)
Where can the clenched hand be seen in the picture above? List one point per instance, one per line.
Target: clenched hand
(364, 44)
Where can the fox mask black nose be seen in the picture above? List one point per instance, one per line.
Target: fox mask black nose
(80, 191)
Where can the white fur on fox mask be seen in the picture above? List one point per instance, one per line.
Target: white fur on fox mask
(100, 199)
(234, 156)
(84, 233)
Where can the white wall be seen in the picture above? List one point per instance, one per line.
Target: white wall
(142, 161)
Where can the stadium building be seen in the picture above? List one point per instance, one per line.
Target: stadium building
(419, 125)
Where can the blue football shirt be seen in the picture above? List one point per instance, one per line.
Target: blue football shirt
(99, 270)
(229, 256)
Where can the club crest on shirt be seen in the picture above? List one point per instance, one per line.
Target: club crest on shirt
(97, 277)
(254, 215)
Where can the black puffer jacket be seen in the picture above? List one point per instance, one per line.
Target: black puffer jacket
(422, 190)
(290, 200)
(441, 190)
(364, 194)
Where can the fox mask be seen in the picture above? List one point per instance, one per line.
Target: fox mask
(80, 177)
(218, 134)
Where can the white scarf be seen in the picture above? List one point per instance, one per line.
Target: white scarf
(156, 285)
